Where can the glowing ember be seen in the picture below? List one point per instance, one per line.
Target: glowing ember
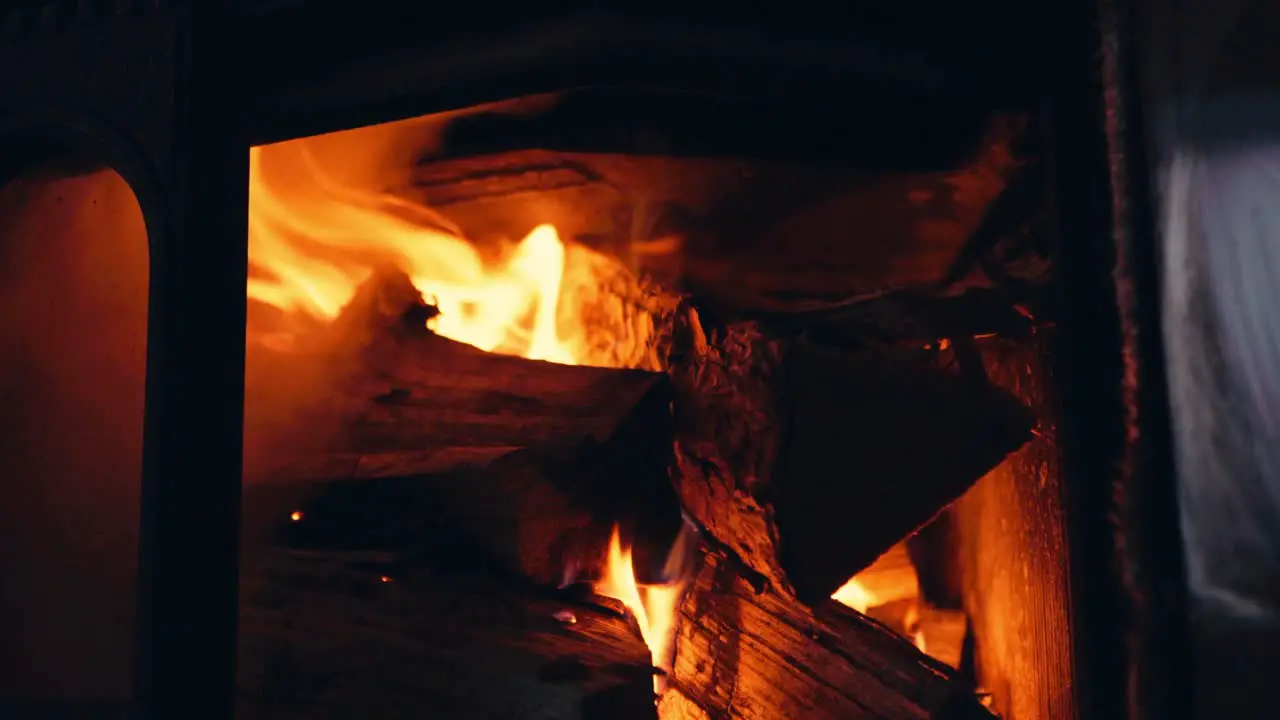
(654, 606)
(318, 227)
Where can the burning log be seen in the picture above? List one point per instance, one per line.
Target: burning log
(876, 447)
(809, 463)
(728, 429)
(758, 635)
(419, 390)
(323, 637)
(376, 380)
(386, 407)
(747, 651)
(531, 457)
(517, 510)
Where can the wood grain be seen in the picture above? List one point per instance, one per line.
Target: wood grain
(323, 638)
(748, 652)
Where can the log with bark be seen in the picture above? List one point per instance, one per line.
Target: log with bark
(323, 636)
(750, 645)
(384, 412)
(387, 435)
(810, 462)
(512, 510)
(407, 388)
(877, 445)
(749, 651)
(763, 427)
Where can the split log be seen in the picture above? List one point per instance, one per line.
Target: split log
(419, 390)
(376, 380)
(728, 429)
(512, 509)
(750, 652)
(808, 463)
(320, 638)
(528, 456)
(876, 446)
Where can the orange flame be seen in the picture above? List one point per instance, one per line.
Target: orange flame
(318, 228)
(654, 606)
(855, 595)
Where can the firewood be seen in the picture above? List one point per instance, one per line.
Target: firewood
(376, 380)
(325, 638)
(728, 429)
(529, 463)
(517, 510)
(747, 652)
(809, 463)
(876, 446)
(422, 390)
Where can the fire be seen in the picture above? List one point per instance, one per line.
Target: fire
(911, 622)
(654, 606)
(320, 222)
(855, 595)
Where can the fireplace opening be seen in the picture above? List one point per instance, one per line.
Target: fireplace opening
(74, 264)
(627, 404)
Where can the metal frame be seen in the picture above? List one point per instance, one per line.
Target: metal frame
(125, 84)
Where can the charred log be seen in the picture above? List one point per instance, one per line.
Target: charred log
(511, 510)
(416, 389)
(377, 380)
(876, 446)
(808, 463)
(425, 423)
(728, 430)
(320, 637)
(744, 653)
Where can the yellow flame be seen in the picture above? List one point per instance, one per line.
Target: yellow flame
(911, 623)
(855, 595)
(654, 606)
(318, 229)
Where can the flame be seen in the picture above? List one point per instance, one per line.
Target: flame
(319, 224)
(653, 606)
(855, 595)
(911, 623)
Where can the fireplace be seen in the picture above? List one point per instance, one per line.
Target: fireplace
(596, 365)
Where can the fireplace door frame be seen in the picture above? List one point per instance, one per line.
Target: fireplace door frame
(135, 86)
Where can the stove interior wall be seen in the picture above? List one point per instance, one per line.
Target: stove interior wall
(73, 303)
